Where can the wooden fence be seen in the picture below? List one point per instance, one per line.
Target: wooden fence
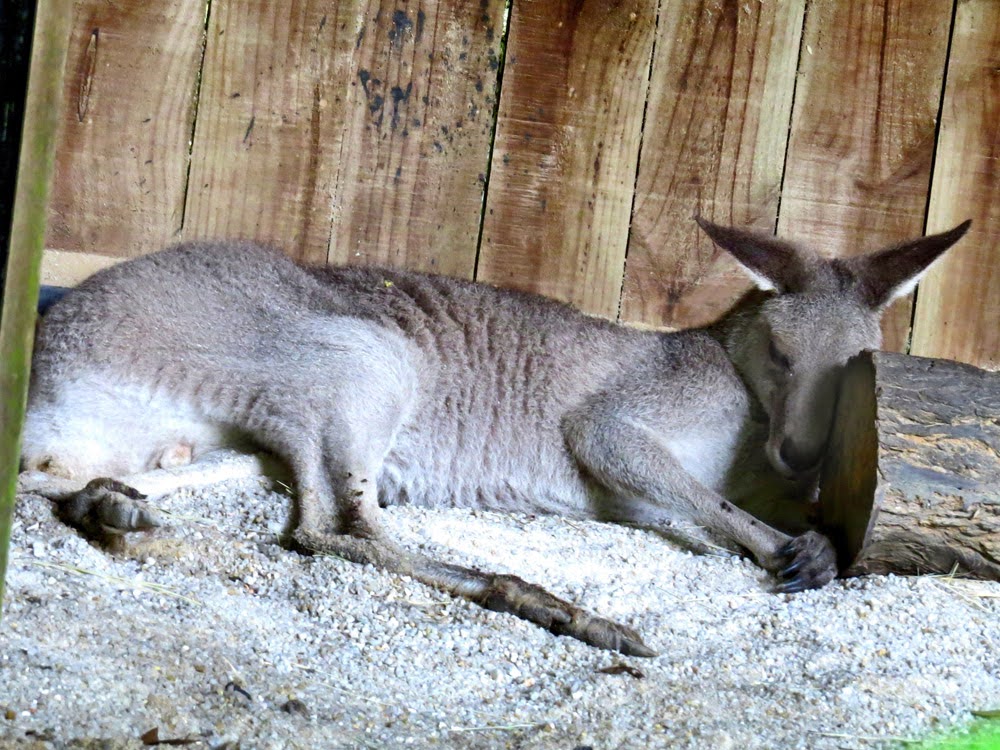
(560, 146)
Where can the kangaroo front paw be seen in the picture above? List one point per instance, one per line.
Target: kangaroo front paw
(107, 506)
(807, 562)
(507, 593)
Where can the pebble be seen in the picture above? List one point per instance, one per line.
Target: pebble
(375, 660)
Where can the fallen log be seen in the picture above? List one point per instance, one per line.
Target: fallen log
(911, 482)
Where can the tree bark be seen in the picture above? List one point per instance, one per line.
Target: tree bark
(911, 482)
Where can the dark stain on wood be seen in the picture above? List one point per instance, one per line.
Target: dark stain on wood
(402, 26)
(400, 96)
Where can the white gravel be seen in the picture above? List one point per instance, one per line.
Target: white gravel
(250, 645)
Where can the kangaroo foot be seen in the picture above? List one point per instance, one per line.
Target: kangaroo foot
(507, 593)
(378, 552)
(807, 562)
(500, 593)
(107, 506)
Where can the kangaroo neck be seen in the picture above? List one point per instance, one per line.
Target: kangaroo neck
(733, 328)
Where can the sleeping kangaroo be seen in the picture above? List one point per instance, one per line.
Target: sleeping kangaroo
(385, 386)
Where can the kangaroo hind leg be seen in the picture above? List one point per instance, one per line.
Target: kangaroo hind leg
(340, 479)
(336, 461)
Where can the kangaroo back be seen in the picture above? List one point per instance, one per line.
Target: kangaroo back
(197, 333)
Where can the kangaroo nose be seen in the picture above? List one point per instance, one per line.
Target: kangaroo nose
(795, 458)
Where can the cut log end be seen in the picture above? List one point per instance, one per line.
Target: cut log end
(911, 482)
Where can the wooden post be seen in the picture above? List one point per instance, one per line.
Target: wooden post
(910, 482)
(41, 120)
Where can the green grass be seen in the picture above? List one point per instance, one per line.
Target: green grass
(984, 734)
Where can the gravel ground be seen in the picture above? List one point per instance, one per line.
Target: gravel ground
(208, 631)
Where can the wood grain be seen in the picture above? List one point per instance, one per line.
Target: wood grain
(958, 303)
(270, 122)
(304, 119)
(909, 481)
(567, 143)
(127, 109)
(716, 128)
(420, 101)
(863, 129)
(360, 132)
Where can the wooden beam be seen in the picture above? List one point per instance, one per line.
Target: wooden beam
(567, 144)
(958, 303)
(714, 143)
(34, 176)
(69, 268)
(862, 140)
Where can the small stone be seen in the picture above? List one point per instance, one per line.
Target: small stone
(295, 707)
(238, 692)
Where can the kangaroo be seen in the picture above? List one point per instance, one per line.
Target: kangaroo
(381, 386)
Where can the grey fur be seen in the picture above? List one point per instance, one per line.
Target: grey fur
(385, 385)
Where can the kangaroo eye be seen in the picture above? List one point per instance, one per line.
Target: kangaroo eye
(778, 358)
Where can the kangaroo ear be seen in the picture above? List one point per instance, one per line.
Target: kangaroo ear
(770, 262)
(894, 272)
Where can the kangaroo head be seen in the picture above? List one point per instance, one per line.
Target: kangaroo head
(792, 348)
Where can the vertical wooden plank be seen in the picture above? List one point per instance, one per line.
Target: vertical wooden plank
(409, 187)
(270, 122)
(716, 127)
(958, 302)
(128, 103)
(568, 134)
(31, 192)
(863, 129)
(354, 132)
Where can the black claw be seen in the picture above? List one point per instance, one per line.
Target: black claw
(636, 648)
(793, 568)
(806, 562)
(793, 586)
